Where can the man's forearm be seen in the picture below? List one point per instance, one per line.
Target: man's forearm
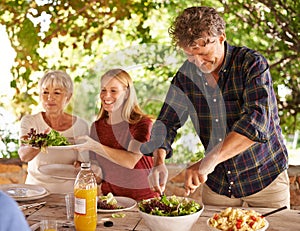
(233, 144)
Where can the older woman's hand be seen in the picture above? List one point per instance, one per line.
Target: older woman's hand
(77, 164)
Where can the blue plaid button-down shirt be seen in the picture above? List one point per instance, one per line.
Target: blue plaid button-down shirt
(244, 101)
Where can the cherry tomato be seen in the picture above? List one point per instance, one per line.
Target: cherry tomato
(216, 216)
(253, 218)
(238, 225)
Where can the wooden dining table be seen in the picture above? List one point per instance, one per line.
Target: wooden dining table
(54, 208)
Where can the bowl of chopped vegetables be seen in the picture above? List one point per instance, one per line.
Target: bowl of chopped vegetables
(169, 213)
(237, 219)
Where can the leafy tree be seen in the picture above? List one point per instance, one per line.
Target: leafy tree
(75, 35)
(87, 37)
(273, 28)
(75, 27)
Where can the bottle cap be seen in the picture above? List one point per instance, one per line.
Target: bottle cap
(108, 223)
(85, 165)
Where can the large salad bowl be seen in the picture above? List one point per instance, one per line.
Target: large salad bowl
(171, 222)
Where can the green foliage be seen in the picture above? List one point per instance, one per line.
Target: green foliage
(187, 147)
(9, 142)
(10, 149)
(272, 28)
(85, 38)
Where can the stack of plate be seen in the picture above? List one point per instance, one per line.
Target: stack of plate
(24, 192)
(60, 171)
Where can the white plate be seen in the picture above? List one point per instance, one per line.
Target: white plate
(32, 198)
(24, 192)
(67, 147)
(126, 202)
(60, 171)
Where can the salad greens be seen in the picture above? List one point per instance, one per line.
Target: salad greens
(169, 206)
(108, 202)
(43, 140)
(54, 138)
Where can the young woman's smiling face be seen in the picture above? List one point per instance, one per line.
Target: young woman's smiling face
(113, 94)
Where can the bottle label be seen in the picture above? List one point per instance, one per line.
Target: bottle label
(80, 205)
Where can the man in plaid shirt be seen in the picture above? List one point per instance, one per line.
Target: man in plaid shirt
(228, 94)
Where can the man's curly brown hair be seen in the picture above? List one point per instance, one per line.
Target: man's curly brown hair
(195, 23)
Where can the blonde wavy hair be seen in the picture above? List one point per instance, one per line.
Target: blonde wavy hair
(131, 112)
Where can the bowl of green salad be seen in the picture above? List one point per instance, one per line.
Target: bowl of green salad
(169, 213)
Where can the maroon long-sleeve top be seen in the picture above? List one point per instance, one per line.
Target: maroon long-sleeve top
(117, 179)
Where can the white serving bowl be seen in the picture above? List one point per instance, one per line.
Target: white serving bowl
(215, 229)
(164, 223)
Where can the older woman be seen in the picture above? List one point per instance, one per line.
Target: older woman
(117, 133)
(56, 89)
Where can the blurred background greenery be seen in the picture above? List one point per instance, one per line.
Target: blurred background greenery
(87, 37)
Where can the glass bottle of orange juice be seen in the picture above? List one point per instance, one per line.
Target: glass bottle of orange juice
(85, 193)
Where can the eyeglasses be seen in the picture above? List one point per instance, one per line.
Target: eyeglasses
(202, 42)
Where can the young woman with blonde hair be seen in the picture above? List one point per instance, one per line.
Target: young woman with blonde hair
(115, 138)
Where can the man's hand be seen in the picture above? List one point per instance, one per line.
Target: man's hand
(197, 173)
(193, 178)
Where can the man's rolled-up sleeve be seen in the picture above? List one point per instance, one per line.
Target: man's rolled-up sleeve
(259, 99)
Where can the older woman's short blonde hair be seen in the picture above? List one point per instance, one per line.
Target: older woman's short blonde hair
(58, 79)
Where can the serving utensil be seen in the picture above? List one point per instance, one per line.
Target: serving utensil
(274, 211)
(28, 206)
